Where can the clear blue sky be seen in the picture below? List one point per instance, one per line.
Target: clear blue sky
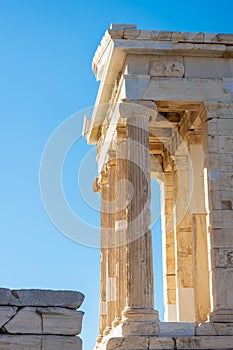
(46, 49)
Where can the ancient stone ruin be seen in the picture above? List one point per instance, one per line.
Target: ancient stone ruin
(164, 110)
(40, 320)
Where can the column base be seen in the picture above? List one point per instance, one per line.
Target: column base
(214, 328)
(138, 321)
(222, 316)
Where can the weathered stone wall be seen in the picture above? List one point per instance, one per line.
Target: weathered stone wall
(40, 320)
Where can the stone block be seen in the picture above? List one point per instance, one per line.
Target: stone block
(137, 65)
(127, 343)
(212, 126)
(174, 329)
(122, 26)
(33, 342)
(188, 37)
(205, 328)
(205, 342)
(131, 33)
(219, 110)
(145, 35)
(161, 343)
(221, 237)
(50, 320)
(198, 47)
(208, 328)
(223, 257)
(225, 127)
(225, 144)
(161, 35)
(224, 38)
(37, 297)
(206, 67)
(7, 297)
(26, 321)
(177, 89)
(61, 321)
(221, 180)
(134, 328)
(209, 37)
(61, 343)
(20, 342)
(6, 313)
(222, 293)
(222, 218)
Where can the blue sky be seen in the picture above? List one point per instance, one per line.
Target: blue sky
(46, 49)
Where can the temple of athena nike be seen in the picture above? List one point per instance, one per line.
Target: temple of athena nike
(164, 110)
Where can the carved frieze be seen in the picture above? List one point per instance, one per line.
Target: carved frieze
(167, 67)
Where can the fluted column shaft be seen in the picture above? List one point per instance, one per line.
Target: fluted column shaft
(103, 252)
(135, 219)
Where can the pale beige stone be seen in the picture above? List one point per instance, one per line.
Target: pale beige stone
(170, 312)
(189, 89)
(201, 268)
(185, 300)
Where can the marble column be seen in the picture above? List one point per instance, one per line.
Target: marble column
(121, 219)
(103, 186)
(108, 297)
(139, 316)
(111, 295)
